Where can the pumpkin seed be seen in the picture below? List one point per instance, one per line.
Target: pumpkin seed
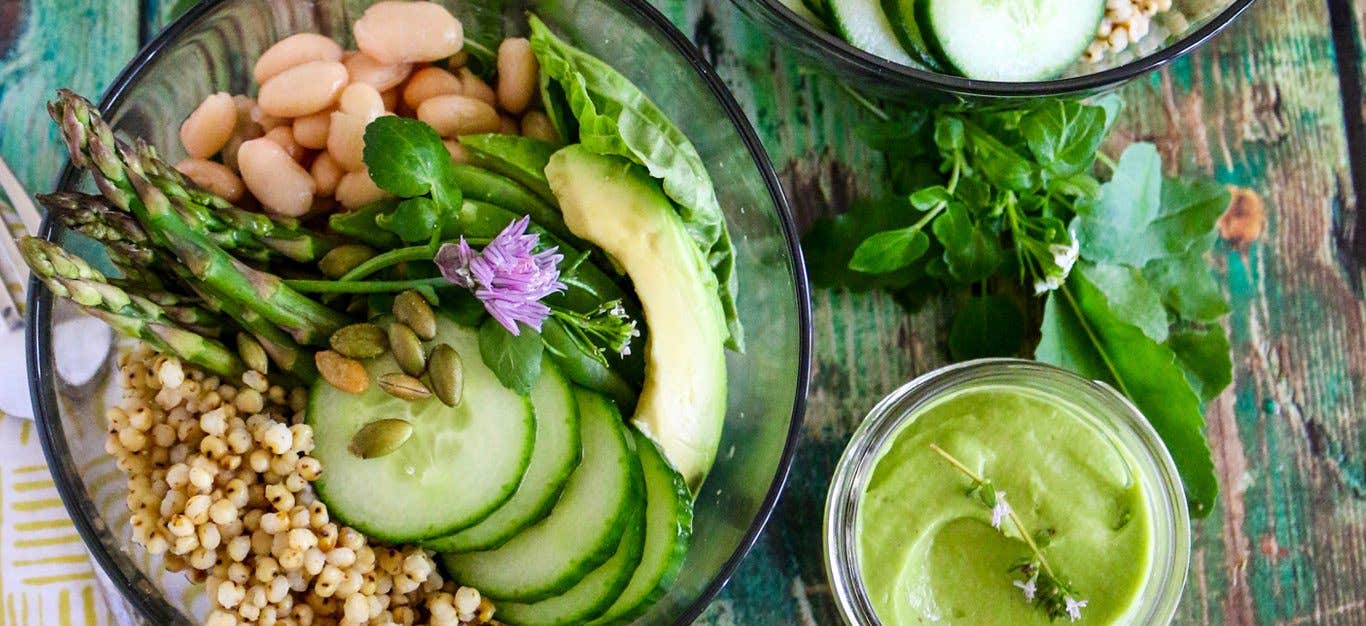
(252, 353)
(380, 437)
(345, 374)
(407, 349)
(403, 386)
(446, 372)
(359, 341)
(412, 309)
(342, 259)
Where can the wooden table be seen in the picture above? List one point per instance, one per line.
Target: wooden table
(1262, 108)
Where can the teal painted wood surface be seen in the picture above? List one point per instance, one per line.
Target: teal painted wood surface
(1259, 108)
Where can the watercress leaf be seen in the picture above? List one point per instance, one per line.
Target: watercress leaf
(1113, 105)
(909, 174)
(986, 326)
(1064, 134)
(514, 359)
(462, 306)
(948, 133)
(1000, 164)
(1140, 217)
(830, 243)
(1187, 286)
(889, 250)
(973, 192)
(972, 251)
(1082, 332)
(1204, 355)
(1133, 299)
(405, 157)
(359, 224)
(1076, 185)
(616, 118)
(930, 197)
(414, 220)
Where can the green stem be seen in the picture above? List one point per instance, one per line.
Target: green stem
(1109, 162)
(864, 102)
(366, 286)
(387, 259)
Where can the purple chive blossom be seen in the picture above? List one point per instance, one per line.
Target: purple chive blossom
(508, 275)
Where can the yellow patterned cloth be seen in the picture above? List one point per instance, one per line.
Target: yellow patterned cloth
(46, 576)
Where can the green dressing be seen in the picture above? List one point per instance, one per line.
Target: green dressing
(928, 553)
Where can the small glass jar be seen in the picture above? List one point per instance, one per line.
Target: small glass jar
(1108, 412)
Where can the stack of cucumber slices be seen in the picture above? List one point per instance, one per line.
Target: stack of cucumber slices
(998, 40)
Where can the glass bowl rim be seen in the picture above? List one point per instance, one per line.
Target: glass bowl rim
(886, 418)
(42, 382)
(1086, 83)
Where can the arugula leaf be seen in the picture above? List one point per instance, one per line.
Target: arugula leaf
(1204, 355)
(414, 220)
(616, 118)
(830, 244)
(1083, 331)
(971, 250)
(1064, 135)
(1130, 293)
(1139, 217)
(986, 326)
(890, 250)
(514, 359)
(406, 158)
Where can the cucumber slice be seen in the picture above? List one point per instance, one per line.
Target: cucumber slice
(668, 526)
(591, 597)
(417, 492)
(1009, 41)
(519, 158)
(552, 462)
(901, 13)
(863, 24)
(582, 531)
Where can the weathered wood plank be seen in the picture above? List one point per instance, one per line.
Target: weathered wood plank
(56, 43)
(1258, 108)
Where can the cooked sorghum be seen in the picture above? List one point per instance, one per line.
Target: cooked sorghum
(218, 483)
(1125, 22)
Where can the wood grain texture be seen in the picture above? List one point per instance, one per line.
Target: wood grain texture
(1259, 108)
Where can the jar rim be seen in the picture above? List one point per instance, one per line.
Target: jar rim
(1156, 604)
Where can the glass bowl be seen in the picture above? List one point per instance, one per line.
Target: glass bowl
(1105, 411)
(212, 48)
(819, 48)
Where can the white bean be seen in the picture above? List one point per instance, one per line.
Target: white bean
(517, 69)
(452, 116)
(408, 32)
(246, 130)
(475, 87)
(294, 50)
(284, 137)
(362, 100)
(278, 182)
(458, 153)
(209, 126)
(311, 130)
(213, 177)
(508, 125)
(346, 140)
(265, 120)
(303, 89)
(365, 69)
(428, 82)
(356, 190)
(537, 125)
(326, 174)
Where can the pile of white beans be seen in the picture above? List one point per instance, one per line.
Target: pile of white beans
(297, 147)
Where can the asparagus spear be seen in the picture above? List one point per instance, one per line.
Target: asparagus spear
(69, 276)
(120, 177)
(122, 236)
(244, 229)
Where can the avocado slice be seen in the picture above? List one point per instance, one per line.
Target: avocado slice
(616, 205)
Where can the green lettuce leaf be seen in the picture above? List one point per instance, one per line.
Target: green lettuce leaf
(615, 117)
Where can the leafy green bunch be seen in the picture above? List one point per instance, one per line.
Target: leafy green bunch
(994, 204)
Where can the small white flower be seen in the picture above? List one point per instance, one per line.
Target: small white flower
(1049, 283)
(1074, 607)
(1000, 511)
(1065, 256)
(1028, 587)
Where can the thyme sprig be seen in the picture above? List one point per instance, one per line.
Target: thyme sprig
(1041, 585)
